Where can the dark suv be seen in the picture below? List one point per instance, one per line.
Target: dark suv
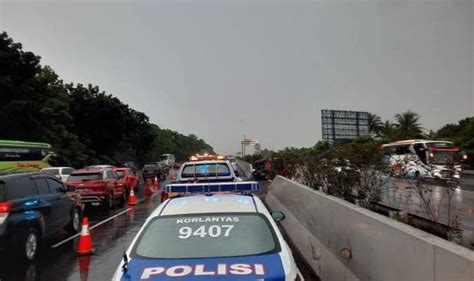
(34, 206)
(154, 169)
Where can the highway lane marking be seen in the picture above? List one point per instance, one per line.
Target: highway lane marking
(90, 228)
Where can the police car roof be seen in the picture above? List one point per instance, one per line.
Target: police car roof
(205, 162)
(216, 203)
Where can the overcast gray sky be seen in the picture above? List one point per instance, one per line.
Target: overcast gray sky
(201, 67)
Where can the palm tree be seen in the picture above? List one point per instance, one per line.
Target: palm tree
(388, 131)
(375, 124)
(407, 125)
(432, 135)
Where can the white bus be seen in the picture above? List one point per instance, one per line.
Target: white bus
(427, 158)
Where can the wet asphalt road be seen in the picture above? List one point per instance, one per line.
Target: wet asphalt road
(109, 239)
(467, 182)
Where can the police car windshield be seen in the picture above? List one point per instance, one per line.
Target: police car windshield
(206, 236)
(205, 170)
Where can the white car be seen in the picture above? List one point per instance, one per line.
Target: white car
(61, 173)
(207, 171)
(223, 236)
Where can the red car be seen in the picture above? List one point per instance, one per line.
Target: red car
(99, 186)
(130, 178)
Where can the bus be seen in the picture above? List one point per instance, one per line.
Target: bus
(20, 156)
(427, 158)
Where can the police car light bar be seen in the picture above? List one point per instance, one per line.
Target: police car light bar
(212, 187)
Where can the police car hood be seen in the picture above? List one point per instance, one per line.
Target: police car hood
(261, 267)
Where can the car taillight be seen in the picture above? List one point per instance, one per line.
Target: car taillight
(5, 207)
(4, 211)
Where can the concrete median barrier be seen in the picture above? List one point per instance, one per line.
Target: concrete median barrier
(341, 241)
(246, 168)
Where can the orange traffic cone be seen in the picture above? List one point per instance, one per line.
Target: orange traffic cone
(84, 263)
(84, 248)
(132, 200)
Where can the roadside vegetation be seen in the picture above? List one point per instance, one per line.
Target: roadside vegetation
(405, 126)
(84, 124)
(357, 172)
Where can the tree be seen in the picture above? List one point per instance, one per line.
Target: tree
(34, 102)
(375, 124)
(168, 141)
(82, 123)
(321, 146)
(408, 126)
(432, 135)
(453, 131)
(467, 137)
(388, 131)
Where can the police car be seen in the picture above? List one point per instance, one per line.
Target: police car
(207, 169)
(204, 168)
(221, 232)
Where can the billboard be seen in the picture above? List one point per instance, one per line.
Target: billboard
(341, 125)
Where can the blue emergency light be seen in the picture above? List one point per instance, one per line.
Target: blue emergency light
(212, 187)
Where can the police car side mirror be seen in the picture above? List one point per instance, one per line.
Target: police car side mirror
(236, 173)
(277, 216)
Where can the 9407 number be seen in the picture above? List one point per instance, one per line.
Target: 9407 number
(203, 231)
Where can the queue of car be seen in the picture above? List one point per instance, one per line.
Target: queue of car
(37, 205)
(209, 227)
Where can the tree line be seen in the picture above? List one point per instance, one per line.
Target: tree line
(365, 150)
(407, 126)
(81, 122)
